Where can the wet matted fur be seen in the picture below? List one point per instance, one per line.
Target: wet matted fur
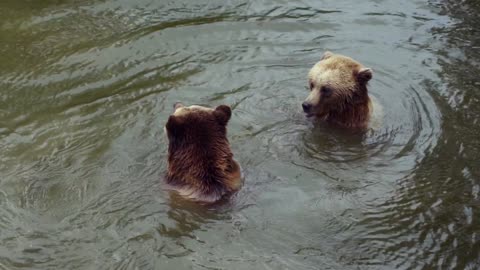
(200, 161)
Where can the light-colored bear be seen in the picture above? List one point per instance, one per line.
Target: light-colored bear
(338, 92)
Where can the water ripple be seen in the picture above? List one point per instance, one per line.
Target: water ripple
(86, 88)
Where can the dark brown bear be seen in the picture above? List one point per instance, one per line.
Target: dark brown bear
(200, 162)
(338, 91)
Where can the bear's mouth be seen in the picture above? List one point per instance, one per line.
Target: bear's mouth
(316, 114)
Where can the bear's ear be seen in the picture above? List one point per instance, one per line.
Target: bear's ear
(173, 125)
(364, 75)
(178, 105)
(223, 114)
(326, 55)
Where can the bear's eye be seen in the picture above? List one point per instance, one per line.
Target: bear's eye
(325, 90)
(311, 86)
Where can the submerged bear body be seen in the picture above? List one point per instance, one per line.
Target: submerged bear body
(200, 161)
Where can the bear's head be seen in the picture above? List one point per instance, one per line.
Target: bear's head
(200, 161)
(195, 124)
(337, 84)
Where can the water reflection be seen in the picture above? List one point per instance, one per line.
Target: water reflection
(85, 89)
(434, 211)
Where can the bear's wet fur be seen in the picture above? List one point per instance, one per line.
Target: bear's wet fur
(200, 162)
(338, 91)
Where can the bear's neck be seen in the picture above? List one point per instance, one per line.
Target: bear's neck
(353, 114)
(204, 167)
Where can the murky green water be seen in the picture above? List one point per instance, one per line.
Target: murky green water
(86, 87)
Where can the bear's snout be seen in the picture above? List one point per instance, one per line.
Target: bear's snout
(307, 107)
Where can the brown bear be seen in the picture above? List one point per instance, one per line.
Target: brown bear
(200, 163)
(338, 91)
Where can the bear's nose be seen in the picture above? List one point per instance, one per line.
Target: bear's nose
(306, 106)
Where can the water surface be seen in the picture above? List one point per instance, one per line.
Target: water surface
(87, 86)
